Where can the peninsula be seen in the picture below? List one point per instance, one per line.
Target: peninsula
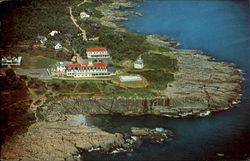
(78, 61)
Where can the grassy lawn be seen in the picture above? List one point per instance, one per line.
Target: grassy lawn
(159, 61)
(36, 62)
(96, 88)
(71, 86)
(157, 79)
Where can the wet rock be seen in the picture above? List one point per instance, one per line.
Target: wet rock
(157, 135)
(164, 41)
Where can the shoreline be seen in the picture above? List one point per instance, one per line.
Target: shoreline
(202, 86)
(137, 105)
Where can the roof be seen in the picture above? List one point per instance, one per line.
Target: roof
(41, 37)
(64, 63)
(139, 61)
(87, 65)
(96, 49)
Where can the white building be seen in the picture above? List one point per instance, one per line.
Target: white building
(60, 69)
(41, 39)
(11, 60)
(61, 66)
(84, 15)
(56, 45)
(89, 70)
(139, 63)
(130, 78)
(97, 53)
(53, 33)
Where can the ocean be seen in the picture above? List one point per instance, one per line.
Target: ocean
(221, 28)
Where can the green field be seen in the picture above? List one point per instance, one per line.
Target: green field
(159, 61)
(36, 62)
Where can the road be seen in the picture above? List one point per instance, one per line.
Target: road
(74, 20)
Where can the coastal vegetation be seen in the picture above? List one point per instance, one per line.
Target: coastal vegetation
(42, 17)
(158, 79)
(50, 114)
(159, 61)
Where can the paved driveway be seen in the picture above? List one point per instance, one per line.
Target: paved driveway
(35, 73)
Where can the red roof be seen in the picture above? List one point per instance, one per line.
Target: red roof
(87, 65)
(96, 49)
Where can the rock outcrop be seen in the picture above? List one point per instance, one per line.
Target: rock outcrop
(112, 13)
(15, 101)
(58, 140)
(162, 41)
(157, 135)
(201, 86)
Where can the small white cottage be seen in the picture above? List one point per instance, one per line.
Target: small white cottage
(53, 33)
(56, 45)
(41, 39)
(84, 15)
(139, 63)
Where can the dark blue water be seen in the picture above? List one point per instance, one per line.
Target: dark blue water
(221, 28)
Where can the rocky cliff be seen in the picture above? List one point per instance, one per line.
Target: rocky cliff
(201, 86)
(58, 141)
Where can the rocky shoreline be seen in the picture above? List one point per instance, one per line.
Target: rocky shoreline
(69, 138)
(201, 86)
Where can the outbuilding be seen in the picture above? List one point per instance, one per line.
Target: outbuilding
(41, 39)
(56, 45)
(11, 60)
(139, 63)
(84, 15)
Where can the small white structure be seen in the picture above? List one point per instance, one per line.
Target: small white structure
(61, 66)
(56, 45)
(11, 60)
(97, 53)
(139, 63)
(60, 69)
(41, 39)
(84, 15)
(53, 33)
(130, 78)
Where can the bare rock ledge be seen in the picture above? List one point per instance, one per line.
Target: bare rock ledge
(201, 86)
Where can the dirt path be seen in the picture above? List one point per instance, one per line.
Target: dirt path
(81, 3)
(84, 36)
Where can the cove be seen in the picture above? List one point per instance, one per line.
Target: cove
(220, 28)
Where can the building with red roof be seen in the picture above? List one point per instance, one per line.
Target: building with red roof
(94, 66)
(97, 53)
(99, 69)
